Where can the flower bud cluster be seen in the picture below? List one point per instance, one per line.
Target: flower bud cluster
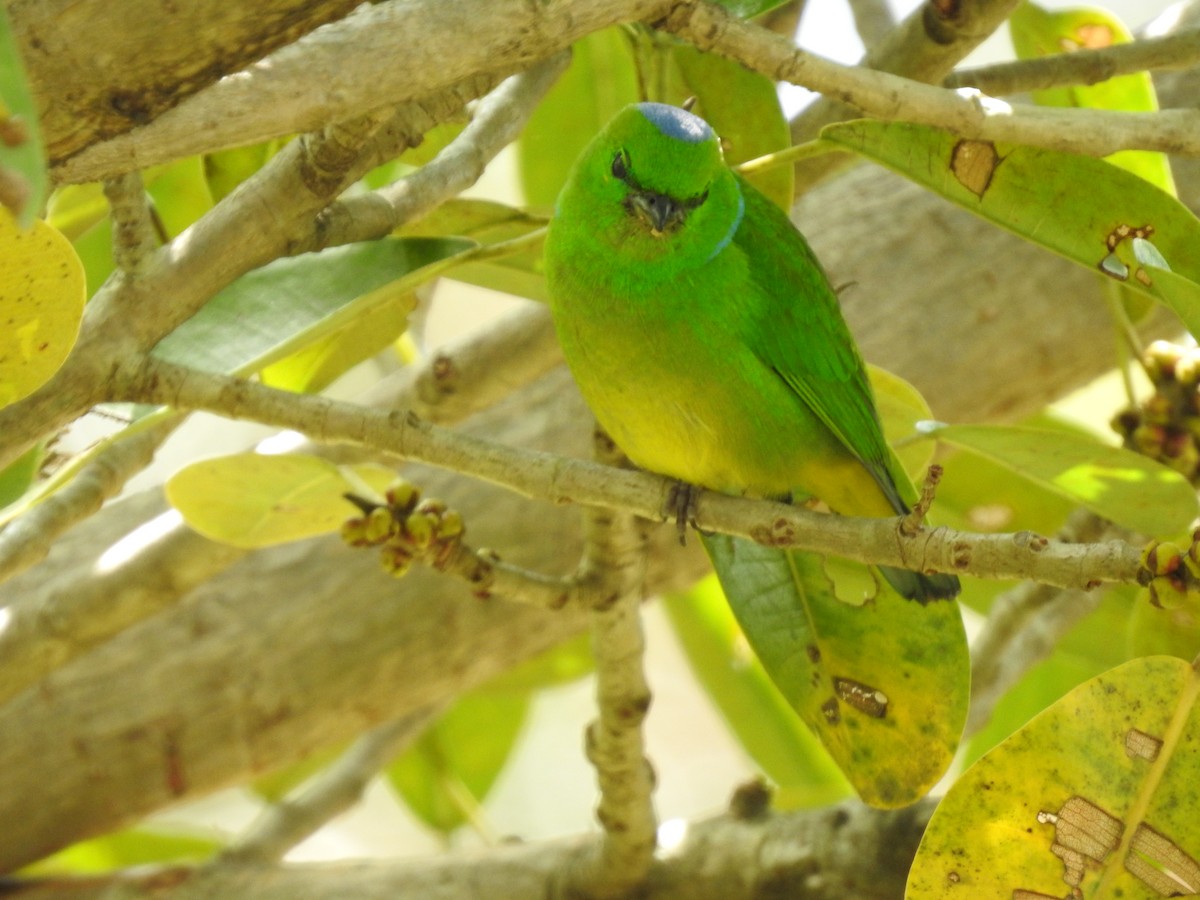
(405, 528)
(1166, 426)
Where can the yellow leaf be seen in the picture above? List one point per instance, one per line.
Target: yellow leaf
(252, 500)
(41, 305)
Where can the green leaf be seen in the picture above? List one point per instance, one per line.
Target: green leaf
(1035, 194)
(252, 500)
(224, 170)
(75, 208)
(743, 108)
(600, 81)
(1095, 798)
(140, 846)
(767, 728)
(519, 274)
(17, 476)
(485, 221)
(448, 772)
(277, 784)
(1126, 487)
(1084, 652)
(23, 177)
(567, 662)
(289, 304)
(746, 9)
(179, 193)
(901, 407)
(884, 684)
(318, 365)
(1037, 32)
(41, 305)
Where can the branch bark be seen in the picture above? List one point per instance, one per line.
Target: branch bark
(155, 54)
(830, 854)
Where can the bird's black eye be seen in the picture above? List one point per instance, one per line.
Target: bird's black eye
(620, 166)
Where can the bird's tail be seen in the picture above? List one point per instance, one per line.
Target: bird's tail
(919, 587)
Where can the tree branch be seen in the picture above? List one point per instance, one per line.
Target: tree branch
(337, 788)
(1023, 627)
(155, 55)
(614, 568)
(270, 215)
(846, 851)
(872, 20)
(134, 239)
(887, 96)
(27, 539)
(352, 63)
(1172, 51)
(876, 541)
(924, 47)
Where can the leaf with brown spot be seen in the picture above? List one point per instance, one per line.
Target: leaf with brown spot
(41, 305)
(1062, 805)
(1035, 194)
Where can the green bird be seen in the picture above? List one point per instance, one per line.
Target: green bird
(704, 334)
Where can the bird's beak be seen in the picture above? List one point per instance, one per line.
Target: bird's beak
(660, 212)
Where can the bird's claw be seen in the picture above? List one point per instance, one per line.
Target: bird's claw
(681, 506)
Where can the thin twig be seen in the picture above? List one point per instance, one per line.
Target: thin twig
(872, 20)
(1173, 51)
(544, 475)
(1024, 626)
(27, 539)
(134, 236)
(340, 786)
(615, 566)
(924, 47)
(885, 96)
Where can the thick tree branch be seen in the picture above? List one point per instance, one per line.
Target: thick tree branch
(155, 54)
(847, 851)
(353, 66)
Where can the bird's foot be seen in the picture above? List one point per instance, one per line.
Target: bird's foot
(914, 521)
(681, 506)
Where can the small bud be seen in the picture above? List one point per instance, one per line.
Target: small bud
(354, 532)
(1162, 557)
(1124, 422)
(431, 507)
(396, 560)
(1187, 369)
(1148, 439)
(1160, 360)
(381, 525)
(1180, 453)
(402, 496)
(1165, 593)
(1158, 410)
(451, 525)
(419, 529)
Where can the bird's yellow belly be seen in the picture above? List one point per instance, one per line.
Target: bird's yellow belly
(734, 444)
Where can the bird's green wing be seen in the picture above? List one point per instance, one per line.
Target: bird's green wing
(804, 338)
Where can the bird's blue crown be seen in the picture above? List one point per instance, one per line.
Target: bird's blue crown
(677, 123)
